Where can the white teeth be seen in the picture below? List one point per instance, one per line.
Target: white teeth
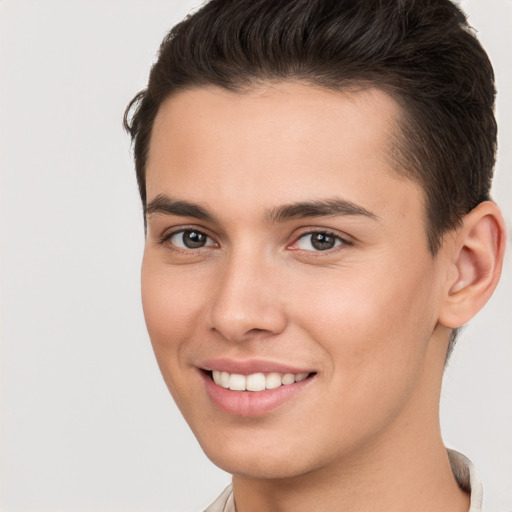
(255, 381)
(273, 380)
(237, 382)
(288, 378)
(224, 379)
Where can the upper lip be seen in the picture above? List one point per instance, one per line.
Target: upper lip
(246, 367)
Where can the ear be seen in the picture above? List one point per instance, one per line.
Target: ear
(475, 259)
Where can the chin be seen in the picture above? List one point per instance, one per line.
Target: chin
(258, 467)
(273, 459)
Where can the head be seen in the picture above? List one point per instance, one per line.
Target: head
(411, 83)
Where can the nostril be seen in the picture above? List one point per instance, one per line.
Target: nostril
(256, 331)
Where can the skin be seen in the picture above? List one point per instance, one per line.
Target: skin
(371, 316)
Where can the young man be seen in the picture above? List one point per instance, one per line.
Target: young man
(315, 179)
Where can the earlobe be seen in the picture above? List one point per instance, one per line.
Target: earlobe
(476, 261)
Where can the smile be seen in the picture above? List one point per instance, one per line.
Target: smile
(255, 381)
(245, 391)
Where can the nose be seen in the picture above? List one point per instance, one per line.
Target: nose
(247, 302)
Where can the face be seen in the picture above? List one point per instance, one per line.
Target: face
(287, 286)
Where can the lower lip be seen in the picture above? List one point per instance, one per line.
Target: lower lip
(251, 403)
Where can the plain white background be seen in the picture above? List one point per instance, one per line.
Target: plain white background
(86, 421)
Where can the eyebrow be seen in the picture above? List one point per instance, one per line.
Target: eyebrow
(305, 209)
(166, 205)
(321, 208)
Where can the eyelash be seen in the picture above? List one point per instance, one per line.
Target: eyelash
(339, 240)
(165, 239)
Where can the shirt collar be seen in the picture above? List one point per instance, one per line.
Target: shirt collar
(465, 474)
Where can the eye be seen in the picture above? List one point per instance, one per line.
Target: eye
(189, 239)
(318, 241)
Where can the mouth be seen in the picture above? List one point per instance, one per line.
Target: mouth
(255, 382)
(253, 394)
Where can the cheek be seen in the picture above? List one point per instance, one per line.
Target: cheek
(375, 357)
(172, 300)
(374, 326)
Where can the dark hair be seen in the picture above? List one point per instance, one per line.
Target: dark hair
(422, 52)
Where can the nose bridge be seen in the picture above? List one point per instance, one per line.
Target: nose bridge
(246, 299)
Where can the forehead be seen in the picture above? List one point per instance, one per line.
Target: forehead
(274, 144)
